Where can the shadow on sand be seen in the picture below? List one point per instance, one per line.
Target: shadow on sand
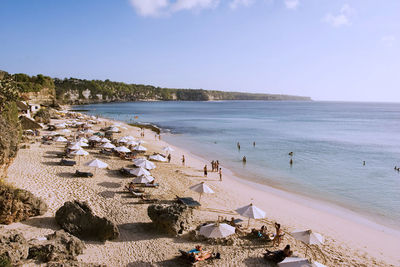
(42, 222)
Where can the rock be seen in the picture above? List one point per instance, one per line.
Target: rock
(171, 219)
(78, 219)
(18, 205)
(58, 246)
(13, 247)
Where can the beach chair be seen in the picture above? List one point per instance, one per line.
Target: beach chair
(138, 194)
(137, 190)
(83, 174)
(188, 201)
(65, 162)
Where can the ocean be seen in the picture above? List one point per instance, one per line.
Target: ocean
(329, 140)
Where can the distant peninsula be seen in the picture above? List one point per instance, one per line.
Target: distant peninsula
(80, 91)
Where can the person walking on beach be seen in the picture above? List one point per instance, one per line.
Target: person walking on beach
(220, 174)
(278, 235)
(212, 166)
(183, 160)
(205, 170)
(169, 158)
(217, 164)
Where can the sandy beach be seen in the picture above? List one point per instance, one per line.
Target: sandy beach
(350, 239)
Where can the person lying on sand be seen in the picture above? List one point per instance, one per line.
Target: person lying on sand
(278, 255)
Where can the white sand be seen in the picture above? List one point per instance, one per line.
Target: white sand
(349, 241)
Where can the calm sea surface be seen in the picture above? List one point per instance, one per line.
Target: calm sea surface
(330, 141)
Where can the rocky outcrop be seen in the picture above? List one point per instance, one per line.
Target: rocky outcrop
(18, 205)
(43, 115)
(171, 219)
(9, 139)
(78, 219)
(13, 247)
(59, 246)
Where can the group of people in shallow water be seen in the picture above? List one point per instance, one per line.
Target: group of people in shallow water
(214, 168)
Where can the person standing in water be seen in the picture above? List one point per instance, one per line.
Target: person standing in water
(254, 144)
(238, 145)
(220, 174)
(291, 162)
(205, 170)
(244, 160)
(183, 160)
(364, 163)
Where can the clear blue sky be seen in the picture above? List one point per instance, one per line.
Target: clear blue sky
(326, 49)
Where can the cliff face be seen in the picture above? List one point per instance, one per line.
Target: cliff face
(45, 96)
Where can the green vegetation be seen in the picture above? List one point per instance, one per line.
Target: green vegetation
(28, 83)
(118, 91)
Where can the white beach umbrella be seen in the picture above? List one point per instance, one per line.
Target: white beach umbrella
(308, 237)
(60, 125)
(114, 129)
(81, 143)
(252, 212)
(143, 179)
(139, 171)
(122, 140)
(94, 138)
(294, 262)
(157, 157)
(144, 163)
(105, 140)
(168, 149)
(122, 149)
(60, 139)
(217, 230)
(65, 131)
(97, 164)
(129, 137)
(141, 142)
(89, 131)
(140, 148)
(52, 133)
(201, 188)
(108, 145)
(80, 152)
(75, 147)
(132, 143)
(82, 139)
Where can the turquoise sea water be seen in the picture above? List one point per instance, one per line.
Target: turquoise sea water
(330, 141)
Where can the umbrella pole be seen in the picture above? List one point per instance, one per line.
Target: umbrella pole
(200, 197)
(248, 223)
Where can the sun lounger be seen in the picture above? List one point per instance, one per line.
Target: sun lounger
(137, 190)
(138, 194)
(83, 174)
(147, 185)
(65, 162)
(188, 201)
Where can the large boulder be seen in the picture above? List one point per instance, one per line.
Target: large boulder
(13, 247)
(78, 219)
(18, 205)
(59, 246)
(171, 219)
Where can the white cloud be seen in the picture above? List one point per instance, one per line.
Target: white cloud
(236, 3)
(149, 7)
(194, 4)
(292, 4)
(388, 40)
(342, 18)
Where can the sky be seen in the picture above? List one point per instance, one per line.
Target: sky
(346, 50)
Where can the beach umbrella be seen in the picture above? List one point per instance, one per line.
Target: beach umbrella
(252, 212)
(308, 237)
(60, 125)
(139, 171)
(168, 149)
(141, 142)
(129, 137)
(97, 164)
(114, 129)
(79, 153)
(123, 140)
(217, 230)
(65, 131)
(94, 138)
(108, 145)
(82, 139)
(143, 179)
(122, 149)
(201, 188)
(61, 139)
(294, 262)
(74, 147)
(89, 131)
(81, 143)
(105, 140)
(132, 143)
(144, 163)
(158, 157)
(140, 148)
